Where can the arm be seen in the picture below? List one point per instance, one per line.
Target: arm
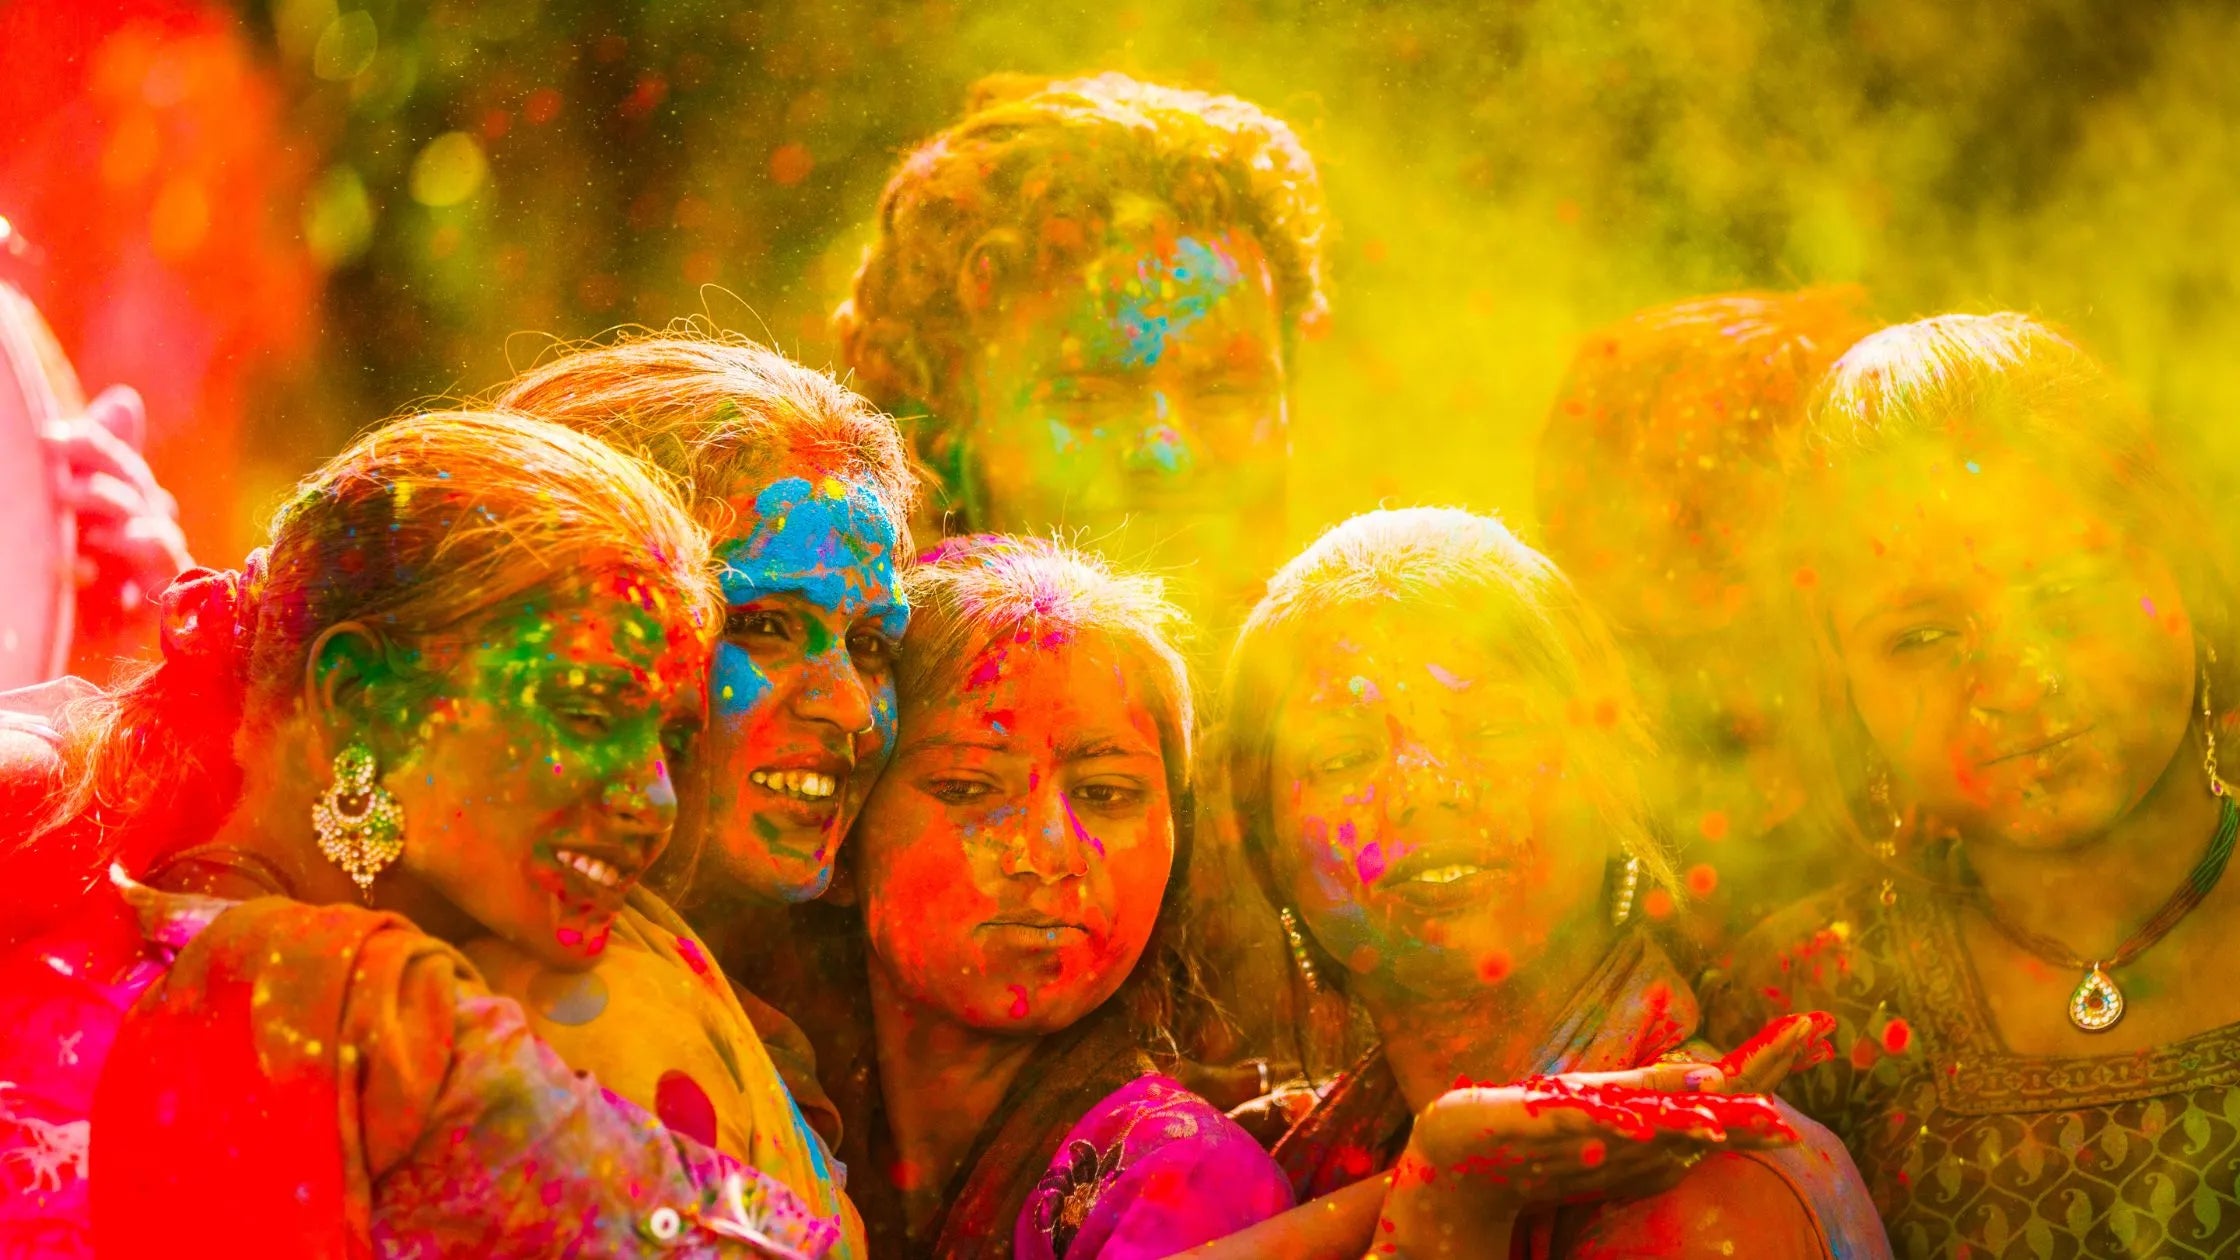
(1338, 1226)
(1730, 1205)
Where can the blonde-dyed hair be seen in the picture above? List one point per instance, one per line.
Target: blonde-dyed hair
(1467, 573)
(421, 530)
(968, 594)
(2005, 386)
(718, 411)
(1026, 187)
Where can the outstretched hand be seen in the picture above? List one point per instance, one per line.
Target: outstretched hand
(1481, 1154)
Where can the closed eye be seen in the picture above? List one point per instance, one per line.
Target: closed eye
(586, 723)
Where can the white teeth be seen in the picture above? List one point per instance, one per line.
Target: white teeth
(807, 784)
(1446, 874)
(590, 868)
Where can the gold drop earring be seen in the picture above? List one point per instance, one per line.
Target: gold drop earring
(360, 824)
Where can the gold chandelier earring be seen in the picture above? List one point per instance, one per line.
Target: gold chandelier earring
(1297, 940)
(359, 822)
(2217, 785)
(1886, 844)
(1629, 883)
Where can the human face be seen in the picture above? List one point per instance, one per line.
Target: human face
(537, 788)
(2024, 666)
(1142, 400)
(1014, 858)
(1430, 826)
(801, 692)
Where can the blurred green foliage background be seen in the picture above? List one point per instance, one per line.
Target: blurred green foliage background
(1505, 176)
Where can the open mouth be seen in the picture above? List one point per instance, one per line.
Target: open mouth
(597, 884)
(809, 786)
(2042, 746)
(601, 873)
(1446, 874)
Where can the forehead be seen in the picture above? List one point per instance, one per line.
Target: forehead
(809, 533)
(1056, 677)
(1149, 286)
(1386, 659)
(1930, 512)
(614, 617)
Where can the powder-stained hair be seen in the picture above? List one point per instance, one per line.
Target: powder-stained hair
(969, 594)
(720, 412)
(1684, 406)
(421, 530)
(1026, 187)
(1454, 569)
(2005, 386)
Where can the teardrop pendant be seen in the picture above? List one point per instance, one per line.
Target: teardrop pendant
(2097, 1003)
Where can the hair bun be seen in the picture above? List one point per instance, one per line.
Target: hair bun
(202, 622)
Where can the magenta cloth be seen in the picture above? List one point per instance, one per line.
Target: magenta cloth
(1152, 1170)
(62, 996)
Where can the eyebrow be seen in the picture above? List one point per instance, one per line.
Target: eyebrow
(1916, 597)
(985, 743)
(1103, 746)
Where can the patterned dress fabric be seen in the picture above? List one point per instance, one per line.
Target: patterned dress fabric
(1969, 1150)
(327, 1081)
(659, 1024)
(1153, 1170)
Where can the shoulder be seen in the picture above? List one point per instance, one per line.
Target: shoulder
(1151, 1170)
(31, 733)
(1729, 1205)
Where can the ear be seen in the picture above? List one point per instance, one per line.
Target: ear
(346, 662)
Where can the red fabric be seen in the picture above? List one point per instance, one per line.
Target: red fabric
(216, 1121)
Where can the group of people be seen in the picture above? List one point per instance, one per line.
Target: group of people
(673, 807)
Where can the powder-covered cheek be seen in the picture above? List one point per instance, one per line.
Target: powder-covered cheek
(736, 685)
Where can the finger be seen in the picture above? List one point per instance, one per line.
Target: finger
(120, 410)
(1752, 1118)
(1765, 1060)
(101, 496)
(87, 448)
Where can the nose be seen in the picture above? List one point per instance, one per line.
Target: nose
(1051, 845)
(1165, 446)
(2012, 670)
(833, 691)
(643, 798)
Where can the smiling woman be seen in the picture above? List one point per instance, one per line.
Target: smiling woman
(452, 687)
(1019, 868)
(805, 488)
(1436, 762)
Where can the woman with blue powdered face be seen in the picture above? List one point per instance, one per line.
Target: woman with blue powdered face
(804, 487)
